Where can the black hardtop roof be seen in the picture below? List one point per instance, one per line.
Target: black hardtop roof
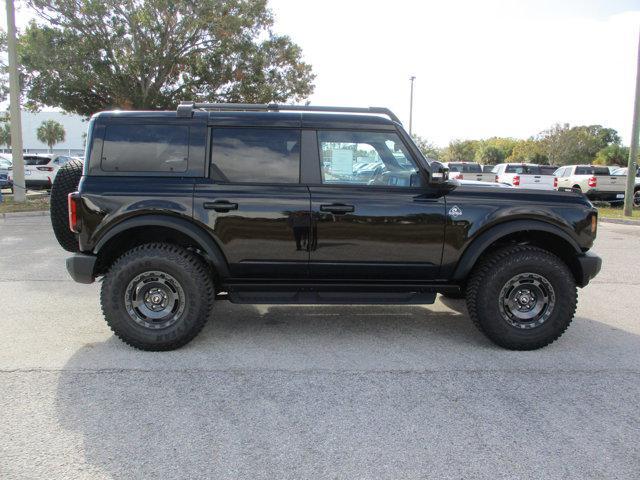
(252, 118)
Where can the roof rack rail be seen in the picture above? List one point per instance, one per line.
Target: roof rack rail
(185, 109)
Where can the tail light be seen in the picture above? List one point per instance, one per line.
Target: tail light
(72, 202)
(593, 181)
(45, 169)
(458, 176)
(516, 180)
(496, 179)
(555, 182)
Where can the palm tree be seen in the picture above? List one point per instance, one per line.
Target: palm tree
(51, 132)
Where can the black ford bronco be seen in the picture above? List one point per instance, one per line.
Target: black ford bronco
(274, 204)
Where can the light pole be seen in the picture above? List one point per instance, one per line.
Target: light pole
(412, 78)
(14, 107)
(632, 164)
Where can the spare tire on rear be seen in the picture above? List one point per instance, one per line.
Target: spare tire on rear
(65, 182)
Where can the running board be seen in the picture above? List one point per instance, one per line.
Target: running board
(329, 297)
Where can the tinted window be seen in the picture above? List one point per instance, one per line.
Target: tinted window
(599, 171)
(256, 155)
(488, 168)
(145, 148)
(34, 160)
(465, 167)
(547, 169)
(365, 158)
(523, 169)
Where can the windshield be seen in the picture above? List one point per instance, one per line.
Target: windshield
(33, 160)
(465, 167)
(589, 170)
(524, 169)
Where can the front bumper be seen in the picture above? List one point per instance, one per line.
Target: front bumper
(590, 265)
(80, 266)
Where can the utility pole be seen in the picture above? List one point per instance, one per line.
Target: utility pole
(14, 107)
(412, 78)
(633, 151)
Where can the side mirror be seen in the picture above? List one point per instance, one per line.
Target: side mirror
(439, 174)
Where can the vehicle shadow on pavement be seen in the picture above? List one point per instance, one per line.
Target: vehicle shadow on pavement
(262, 392)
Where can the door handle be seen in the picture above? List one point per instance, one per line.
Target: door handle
(220, 206)
(337, 209)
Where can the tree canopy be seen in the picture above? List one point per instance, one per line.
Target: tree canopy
(89, 55)
(428, 149)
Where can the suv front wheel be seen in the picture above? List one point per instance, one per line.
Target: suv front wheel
(157, 296)
(522, 297)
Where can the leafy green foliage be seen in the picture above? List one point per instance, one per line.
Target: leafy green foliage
(50, 132)
(565, 145)
(90, 55)
(460, 151)
(5, 134)
(428, 149)
(529, 151)
(613, 155)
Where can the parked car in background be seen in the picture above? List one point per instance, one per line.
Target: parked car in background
(636, 191)
(469, 171)
(525, 175)
(624, 170)
(41, 169)
(5, 165)
(595, 181)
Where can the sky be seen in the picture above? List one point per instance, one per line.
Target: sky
(483, 67)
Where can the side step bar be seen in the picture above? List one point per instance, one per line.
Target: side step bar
(327, 294)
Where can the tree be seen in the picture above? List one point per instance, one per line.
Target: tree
(529, 151)
(613, 155)
(5, 134)
(50, 132)
(460, 151)
(90, 55)
(488, 154)
(565, 145)
(428, 149)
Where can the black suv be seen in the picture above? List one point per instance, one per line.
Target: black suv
(306, 205)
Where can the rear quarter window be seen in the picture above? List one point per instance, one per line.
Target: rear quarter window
(145, 148)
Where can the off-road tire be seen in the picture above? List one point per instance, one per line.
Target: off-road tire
(194, 279)
(65, 182)
(494, 271)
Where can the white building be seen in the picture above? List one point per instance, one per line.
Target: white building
(75, 126)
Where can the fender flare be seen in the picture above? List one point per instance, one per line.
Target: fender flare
(196, 233)
(478, 246)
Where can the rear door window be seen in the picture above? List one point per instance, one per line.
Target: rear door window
(255, 155)
(145, 148)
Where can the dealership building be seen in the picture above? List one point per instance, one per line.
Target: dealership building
(75, 127)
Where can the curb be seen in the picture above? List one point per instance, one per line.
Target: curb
(38, 213)
(619, 221)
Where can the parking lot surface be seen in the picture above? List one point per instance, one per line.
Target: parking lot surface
(313, 392)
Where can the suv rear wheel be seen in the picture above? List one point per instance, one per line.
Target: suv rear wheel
(522, 297)
(157, 296)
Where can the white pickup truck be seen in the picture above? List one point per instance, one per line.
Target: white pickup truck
(596, 182)
(469, 171)
(525, 175)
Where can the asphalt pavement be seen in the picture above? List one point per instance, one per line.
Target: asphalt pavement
(337, 392)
